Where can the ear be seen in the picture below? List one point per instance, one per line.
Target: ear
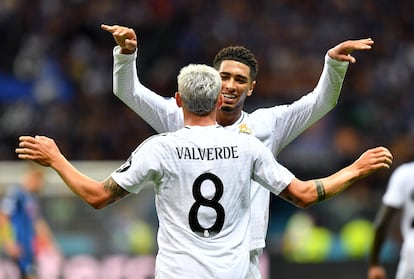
(252, 85)
(178, 99)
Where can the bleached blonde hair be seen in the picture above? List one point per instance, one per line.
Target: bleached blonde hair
(199, 86)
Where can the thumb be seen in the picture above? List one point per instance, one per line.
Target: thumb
(130, 44)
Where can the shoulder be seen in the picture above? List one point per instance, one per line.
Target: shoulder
(268, 110)
(251, 141)
(261, 116)
(152, 142)
(15, 190)
(405, 169)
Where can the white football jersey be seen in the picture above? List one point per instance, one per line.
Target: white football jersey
(275, 126)
(400, 194)
(202, 179)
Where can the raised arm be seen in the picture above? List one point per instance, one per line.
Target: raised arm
(307, 193)
(161, 113)
(304, 112)
(44, 151)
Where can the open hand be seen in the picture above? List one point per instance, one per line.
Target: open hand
(342, 51)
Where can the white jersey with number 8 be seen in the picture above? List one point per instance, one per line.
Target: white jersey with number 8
(202, 178)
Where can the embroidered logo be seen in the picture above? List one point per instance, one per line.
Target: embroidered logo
(243, 128)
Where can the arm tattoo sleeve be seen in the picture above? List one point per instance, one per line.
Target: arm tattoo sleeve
(116, 191)
(320, 189)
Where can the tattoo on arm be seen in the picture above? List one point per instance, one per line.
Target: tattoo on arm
(320, 189)
(116, 191)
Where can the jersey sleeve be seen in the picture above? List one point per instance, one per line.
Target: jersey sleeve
(293, 119)
(395, 194)
(141, 169)
(267, 171)
(161, 113)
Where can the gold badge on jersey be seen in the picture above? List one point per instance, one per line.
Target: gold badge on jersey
(243, 128)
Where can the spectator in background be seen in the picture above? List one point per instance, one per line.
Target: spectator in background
(399, 196)
(23, 231)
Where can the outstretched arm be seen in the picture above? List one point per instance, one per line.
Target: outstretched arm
(306, 111)
(161, 113)
(44, 151)
(382, 224)
(307, 193)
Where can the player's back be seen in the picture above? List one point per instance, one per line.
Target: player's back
(203, 203)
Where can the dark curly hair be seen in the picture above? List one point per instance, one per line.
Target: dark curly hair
(240, 54)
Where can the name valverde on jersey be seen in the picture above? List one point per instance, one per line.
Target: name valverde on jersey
(209, 153)
(202, 178)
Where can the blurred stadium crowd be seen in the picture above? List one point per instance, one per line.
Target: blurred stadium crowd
(56, 78)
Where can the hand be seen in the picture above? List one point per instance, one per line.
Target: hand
(376, 272)
(42, 150)
(125, 37)
(372, 160)
(13, 250)
(342, 52)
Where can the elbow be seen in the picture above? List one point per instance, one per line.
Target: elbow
(301, 194)
(304, 203)
(96, 206)
(97, 203)
(298, 199)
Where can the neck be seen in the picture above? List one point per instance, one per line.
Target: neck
(192, 119)
(226, 118)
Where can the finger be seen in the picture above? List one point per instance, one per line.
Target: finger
(108, 28)
(122, 32)
(131, 44)
(27, 144)
(364, 47)
(23, 156)
(384, 162)
(26, 138)
(347, 57)
(25, 150)
(368, 41)
(27, 157)
(382, 151)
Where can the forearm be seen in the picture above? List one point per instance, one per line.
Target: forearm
(306, 111)
(90, 190)
(330, 83)
(124, 74)
(337, 182)
(157, 111)
(306, 193)
(374, 256)
(382, 224)
(44, 234)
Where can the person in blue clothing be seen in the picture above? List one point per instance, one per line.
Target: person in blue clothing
(21, 224)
